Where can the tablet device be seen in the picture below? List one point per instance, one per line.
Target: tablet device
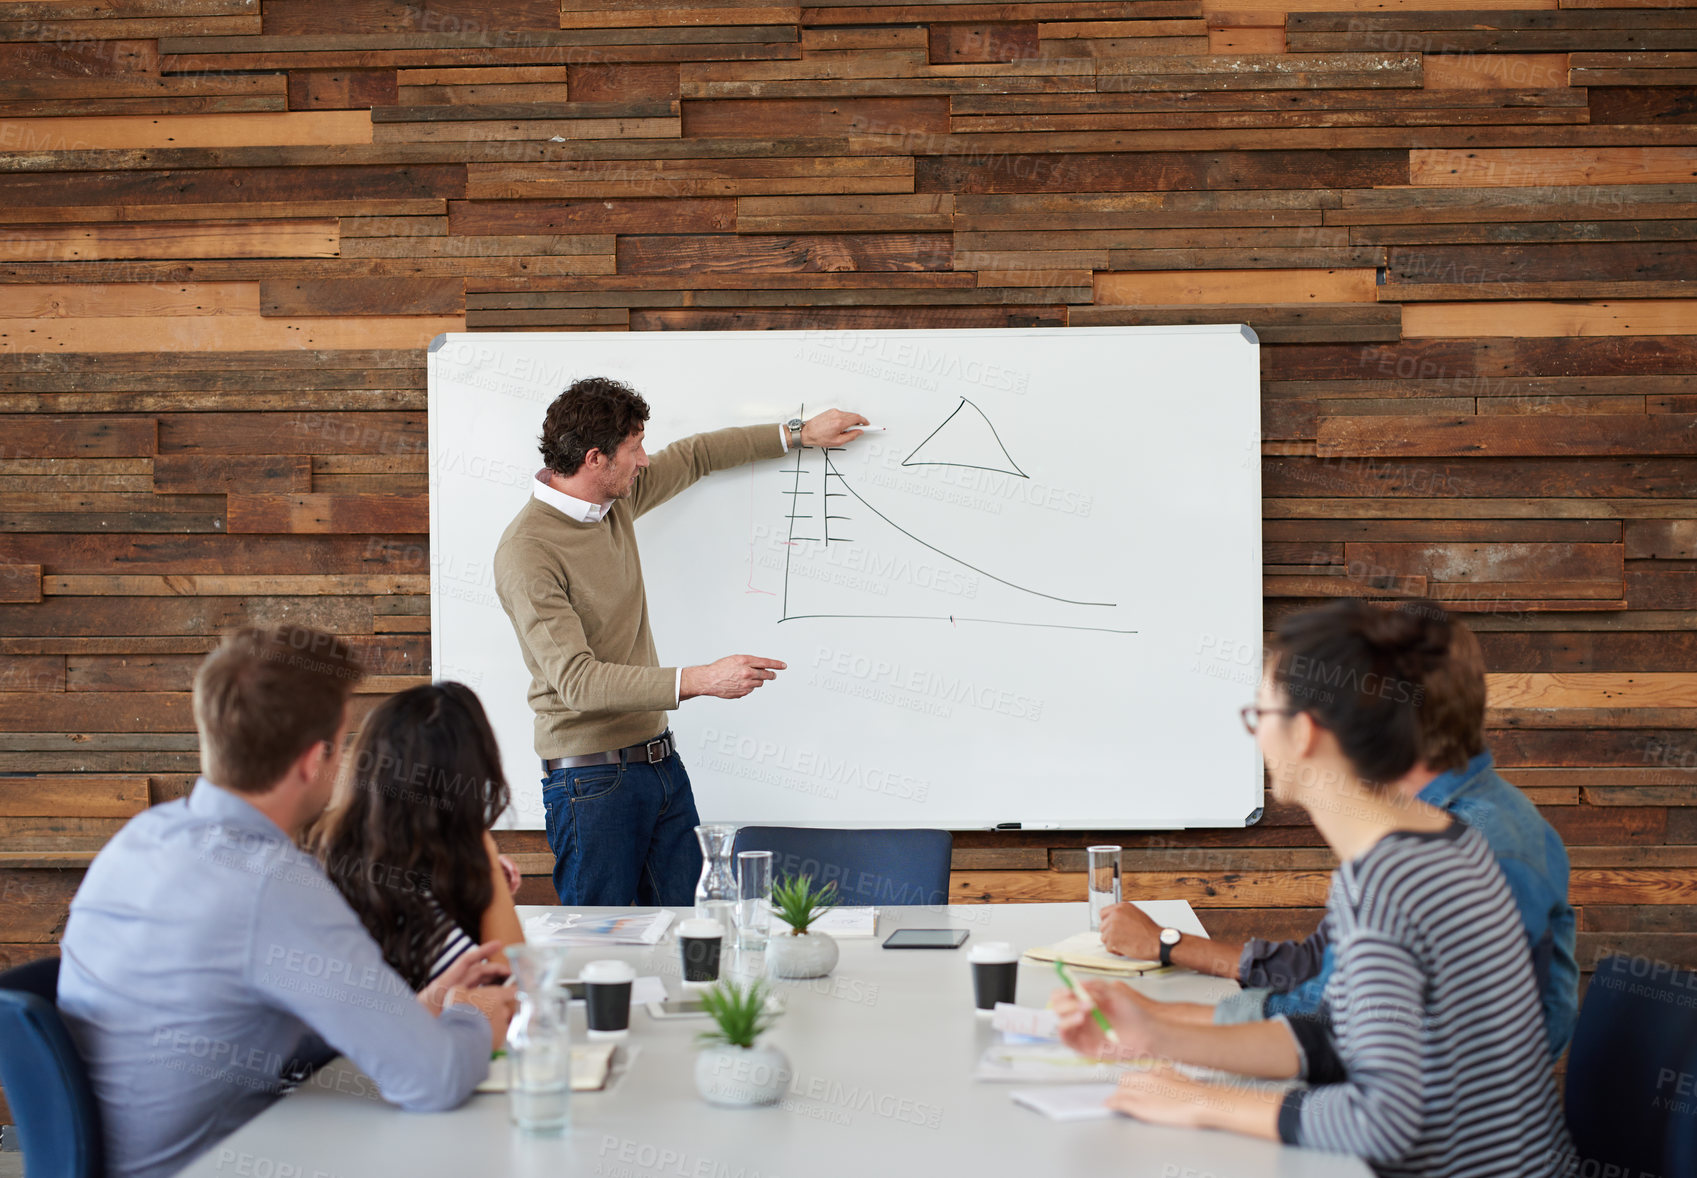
(926, 938)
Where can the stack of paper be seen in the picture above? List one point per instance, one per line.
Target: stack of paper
(1026, 1022)
(848, 922)
(575, 928)
(1043, 1063)
(1071, 1102)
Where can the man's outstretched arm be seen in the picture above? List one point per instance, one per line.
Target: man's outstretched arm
(686, 460)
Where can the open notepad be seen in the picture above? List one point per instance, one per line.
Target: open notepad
(1085, 950)
(1043, 1063)
(590, 1064)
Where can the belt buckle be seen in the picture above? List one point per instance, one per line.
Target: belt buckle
(658, 750)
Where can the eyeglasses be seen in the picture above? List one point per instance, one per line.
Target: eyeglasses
(1252, 715)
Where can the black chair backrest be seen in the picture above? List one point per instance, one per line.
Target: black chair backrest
(1632, 1070)
(39, 977)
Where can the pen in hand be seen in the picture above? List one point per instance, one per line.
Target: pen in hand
(1084, 1000)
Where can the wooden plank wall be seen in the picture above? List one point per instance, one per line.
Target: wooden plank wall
(1464, 229)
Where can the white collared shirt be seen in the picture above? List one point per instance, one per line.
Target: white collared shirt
(593, 513)
(580, 510)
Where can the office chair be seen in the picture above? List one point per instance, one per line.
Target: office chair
(870, 867)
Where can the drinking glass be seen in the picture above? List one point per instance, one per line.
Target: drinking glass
(1104, 877)
(539, 1045)
(754, 892)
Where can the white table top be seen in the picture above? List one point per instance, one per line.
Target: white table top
(883, 1051)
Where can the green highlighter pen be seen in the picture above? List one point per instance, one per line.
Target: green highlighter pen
(1101, 1019)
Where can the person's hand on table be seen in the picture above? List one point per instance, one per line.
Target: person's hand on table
(1128, 931)
(1136, 1021)
(833, 427)
(511, 870)
(1163, 1097)
(470, 970)
(498, 1004)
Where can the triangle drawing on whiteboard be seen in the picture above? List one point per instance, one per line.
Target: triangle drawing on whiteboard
(966, 438)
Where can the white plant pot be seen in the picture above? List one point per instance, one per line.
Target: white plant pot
(805, 955)
(741, 1077)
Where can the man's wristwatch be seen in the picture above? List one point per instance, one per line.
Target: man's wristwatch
(794, 426)
(1169, 938)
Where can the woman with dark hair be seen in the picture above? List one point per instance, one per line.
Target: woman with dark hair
(406, 838)
(1428, 1054)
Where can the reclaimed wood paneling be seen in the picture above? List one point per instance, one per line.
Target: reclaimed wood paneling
(1464, 230)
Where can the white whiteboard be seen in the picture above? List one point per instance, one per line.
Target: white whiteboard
(1035, 598)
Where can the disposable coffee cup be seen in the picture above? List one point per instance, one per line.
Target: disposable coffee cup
(606, 992)
(700, 942)
(995, 975)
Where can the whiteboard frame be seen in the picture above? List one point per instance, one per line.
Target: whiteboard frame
(519, 779)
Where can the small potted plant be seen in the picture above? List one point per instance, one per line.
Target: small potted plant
(733, 1069)
(800, 953)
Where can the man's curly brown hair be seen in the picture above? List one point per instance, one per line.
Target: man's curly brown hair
(595, 413)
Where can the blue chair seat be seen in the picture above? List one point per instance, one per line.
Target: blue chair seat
(870, 867)
(46, 1083)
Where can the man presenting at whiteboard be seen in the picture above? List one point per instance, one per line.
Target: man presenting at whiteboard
(620, 815)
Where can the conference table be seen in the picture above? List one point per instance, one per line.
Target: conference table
(883, 1052)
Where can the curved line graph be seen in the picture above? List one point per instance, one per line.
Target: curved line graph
(831, 468)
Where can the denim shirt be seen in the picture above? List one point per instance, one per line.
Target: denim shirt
(1534, 865)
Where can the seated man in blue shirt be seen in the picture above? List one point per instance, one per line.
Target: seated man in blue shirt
(205, 952)
(1455, 774)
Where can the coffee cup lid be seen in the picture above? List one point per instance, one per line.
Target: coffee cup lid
(608, 971)
(992, 953)
(700, 927)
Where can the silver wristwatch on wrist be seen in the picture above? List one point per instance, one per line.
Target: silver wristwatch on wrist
(1170, 937)
(794, 426)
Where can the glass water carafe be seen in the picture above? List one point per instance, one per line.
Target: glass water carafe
(716, 893)
(539, 1044)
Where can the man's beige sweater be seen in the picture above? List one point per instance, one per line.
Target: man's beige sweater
(575, 596)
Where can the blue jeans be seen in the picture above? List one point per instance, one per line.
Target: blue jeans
(623, 834)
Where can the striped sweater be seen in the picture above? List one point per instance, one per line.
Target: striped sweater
(1428, 1056)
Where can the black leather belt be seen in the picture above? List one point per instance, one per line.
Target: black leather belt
(650, 752)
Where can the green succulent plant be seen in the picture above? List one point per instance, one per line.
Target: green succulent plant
(798, 903)
(739, 1013)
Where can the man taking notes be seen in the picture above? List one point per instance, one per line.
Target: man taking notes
(205, 952)
(620, 814)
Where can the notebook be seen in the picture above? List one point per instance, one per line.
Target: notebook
(1043, 1063)
(1085, 950)
(1067, 1102)
(590, 1064)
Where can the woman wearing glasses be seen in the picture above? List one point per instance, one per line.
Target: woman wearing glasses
(1428, 1056)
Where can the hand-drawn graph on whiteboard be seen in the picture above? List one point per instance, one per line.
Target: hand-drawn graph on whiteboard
(826, 508)
(1034, 596)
